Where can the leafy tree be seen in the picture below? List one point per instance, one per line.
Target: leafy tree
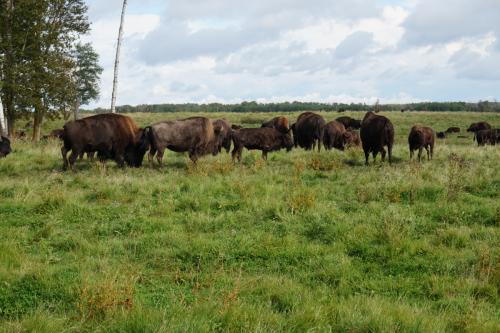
(86, 75)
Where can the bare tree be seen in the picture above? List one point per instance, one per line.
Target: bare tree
(117, 58)
(3, 128)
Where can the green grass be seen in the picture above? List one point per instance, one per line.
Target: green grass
(304, 242)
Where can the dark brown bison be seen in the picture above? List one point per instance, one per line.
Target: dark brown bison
(496, 135)
(5, 148)
(308, 131)
(225, 135)
(279, 123)
(195, 135)
(349, 123)
(441, 135)
(376, 132)
(352, 139)
(453, 130)
(334, 135)
(475, 127)
(421, 137)
(113, 136)
(487, 136)
(265, 139)
(236, 127)
(56, 134)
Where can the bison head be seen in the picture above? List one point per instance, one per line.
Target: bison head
(293, 128)
(473, 128)
(287, 141)
(356, 124)
(4, 146)
(134, 154)
(218, 140)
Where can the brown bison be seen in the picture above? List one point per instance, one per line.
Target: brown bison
(308, 131)
(352, 139)
(441, 135)
(225, 135)
(265, 139)
(334, 135)
(113, 136)
(349, 123)
(5, 148)
(195, 135)
(453, 130)
(376, 132)
(475, 127)
(487, 136)
(56, 134)
(421, 137)
(279, 123)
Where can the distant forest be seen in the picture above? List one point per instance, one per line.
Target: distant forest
(482, 106)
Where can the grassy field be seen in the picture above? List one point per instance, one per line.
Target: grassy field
(305, 242)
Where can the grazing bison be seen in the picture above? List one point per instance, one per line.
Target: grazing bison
(475, 127)
(349, 123)
(352, 139)
(421, 137)
(334, 135)
(441, 135)
(496, 135)
(113, 136)
(4, 146)
(308, 131)
(453, 130)
(225, 135)
(265, 139)
(486, 136)
(195, 135)
(56, 134)
(279, 123)
(376, 132)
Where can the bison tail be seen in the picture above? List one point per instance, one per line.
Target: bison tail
(148, 135)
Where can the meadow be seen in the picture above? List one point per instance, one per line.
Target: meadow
(306, 241)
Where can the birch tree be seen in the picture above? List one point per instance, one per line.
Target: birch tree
(117, 58)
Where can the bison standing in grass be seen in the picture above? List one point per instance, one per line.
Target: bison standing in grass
(476, 127)
(196, 135)
(4, 146)
(265, 139)
(441, 135)
(421, 137)
(486, 136)
(279, 123)
(113, 136)
(308, 131)
(376, 132)
(453, 130)
(334, 135)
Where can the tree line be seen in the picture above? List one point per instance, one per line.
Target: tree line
(45, 69)
(482, 106)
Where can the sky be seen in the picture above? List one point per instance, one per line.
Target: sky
(359, 51)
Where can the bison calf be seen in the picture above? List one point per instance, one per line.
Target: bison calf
(352, 139)
(265, 139)
(421, 137)
(334, 135)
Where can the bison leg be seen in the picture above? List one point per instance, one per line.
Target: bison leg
(90, 156)
(389, 149)
(64, 153)
(264, 155)
(367, 155)
(411, 154)
(431, 151)
(420, 149)
(72, 159)
(151, 156)
(193, 156)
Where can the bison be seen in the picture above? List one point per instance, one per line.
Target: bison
(308, 131)
(441, 135)
(265, 139)
(475, 127)
(196, 135)
(352, 139)
(279, 123)
(421, 137)
(487, 136)
(334, 135)
(225, 135)
(376, 132)
(453, 130)
(349, 123)
(4, 146)
(111, 135)
(236, 127)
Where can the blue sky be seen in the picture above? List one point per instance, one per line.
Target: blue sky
(178, 51)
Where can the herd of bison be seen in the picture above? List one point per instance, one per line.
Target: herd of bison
(117, 137)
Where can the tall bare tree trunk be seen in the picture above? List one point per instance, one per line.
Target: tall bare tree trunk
(3, 128)
(8, 112)
(117, 58)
